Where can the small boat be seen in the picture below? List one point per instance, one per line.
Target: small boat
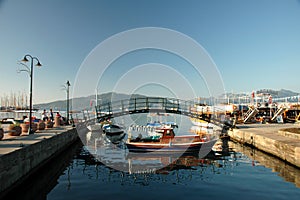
(112, 129)
(166, 141)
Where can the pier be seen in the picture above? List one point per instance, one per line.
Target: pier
(21, 156)
(271, 139)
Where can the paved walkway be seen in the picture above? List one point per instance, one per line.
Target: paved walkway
(271, 131)
(12, 143)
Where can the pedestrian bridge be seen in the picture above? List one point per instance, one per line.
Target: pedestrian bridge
(150, 105)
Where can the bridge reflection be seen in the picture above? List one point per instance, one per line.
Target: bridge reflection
(70, 165)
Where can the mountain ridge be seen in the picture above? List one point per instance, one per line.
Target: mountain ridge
(88, 102)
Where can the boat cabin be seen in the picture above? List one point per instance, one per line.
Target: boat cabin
(166, 132)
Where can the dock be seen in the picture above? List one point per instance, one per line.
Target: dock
(271, 139)
(284, 170)
(21, 156)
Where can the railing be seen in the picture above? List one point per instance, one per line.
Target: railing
(279, 112)
(249, 114)
(150, 104)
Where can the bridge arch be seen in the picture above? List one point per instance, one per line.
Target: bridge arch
(150, 105)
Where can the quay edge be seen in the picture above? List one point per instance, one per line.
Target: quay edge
(270, 139)
(22, 156)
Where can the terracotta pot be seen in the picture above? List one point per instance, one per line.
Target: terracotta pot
(34, 127)
(14, 130)
(1, 133)
(49, 124)
(24, 127)
(41, 125)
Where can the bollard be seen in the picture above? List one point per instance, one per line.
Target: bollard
(57, 121)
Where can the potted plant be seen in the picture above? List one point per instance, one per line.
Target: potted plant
(34, 127)
(25, 127)
(41, 125)
(14, 129)
(1, 132)
(49, 124)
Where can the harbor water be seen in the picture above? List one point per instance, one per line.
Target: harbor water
(86, 172)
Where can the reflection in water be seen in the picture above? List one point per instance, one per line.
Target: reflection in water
(223, 159)
(285, 170)
(164, 168)
(101, 158)
(90, 172)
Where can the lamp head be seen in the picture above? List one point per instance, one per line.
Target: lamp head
(24, 59)
(38, 64)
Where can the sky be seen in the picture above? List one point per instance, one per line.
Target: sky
(248, 44)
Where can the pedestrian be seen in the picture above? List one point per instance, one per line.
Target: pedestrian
(58, 115)
(51, 115)
(44, 115)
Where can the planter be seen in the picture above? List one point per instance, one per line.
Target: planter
(41, 125)
(14, 130)
(34, 127)
(49, 124)
(24, 127)
(1, 133)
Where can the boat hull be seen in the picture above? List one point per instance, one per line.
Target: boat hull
(114, 133)
(158, 147)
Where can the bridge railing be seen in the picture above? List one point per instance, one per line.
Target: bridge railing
(146, 104)
(153, 104)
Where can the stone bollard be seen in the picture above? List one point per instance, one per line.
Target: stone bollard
(56, 121)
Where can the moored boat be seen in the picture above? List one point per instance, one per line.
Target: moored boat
(166, 141)
(112, 129)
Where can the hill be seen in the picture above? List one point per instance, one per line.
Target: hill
(88, 103)
(85, 103)
(278, 94)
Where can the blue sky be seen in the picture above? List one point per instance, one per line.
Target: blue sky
(255, 44)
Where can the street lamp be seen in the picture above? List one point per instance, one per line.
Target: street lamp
(30, 72)
(67, 88)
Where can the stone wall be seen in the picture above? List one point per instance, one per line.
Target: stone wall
(20, 163)
(277, 145)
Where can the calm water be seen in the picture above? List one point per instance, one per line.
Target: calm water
(240, 173)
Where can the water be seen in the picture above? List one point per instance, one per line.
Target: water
(75, 174)
(235, 176)
(239, 173)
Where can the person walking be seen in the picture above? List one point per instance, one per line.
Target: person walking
(44, 115)
(51, 115)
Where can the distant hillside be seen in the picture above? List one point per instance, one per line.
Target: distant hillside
(278, 94)
(85, 103)
(88, 103)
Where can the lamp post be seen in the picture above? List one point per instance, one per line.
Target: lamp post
(30, 72)
(67, 88)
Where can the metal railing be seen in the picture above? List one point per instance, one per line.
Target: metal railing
(149, 104)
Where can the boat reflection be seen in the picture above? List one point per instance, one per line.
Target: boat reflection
(164, 163)
(224, 158)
